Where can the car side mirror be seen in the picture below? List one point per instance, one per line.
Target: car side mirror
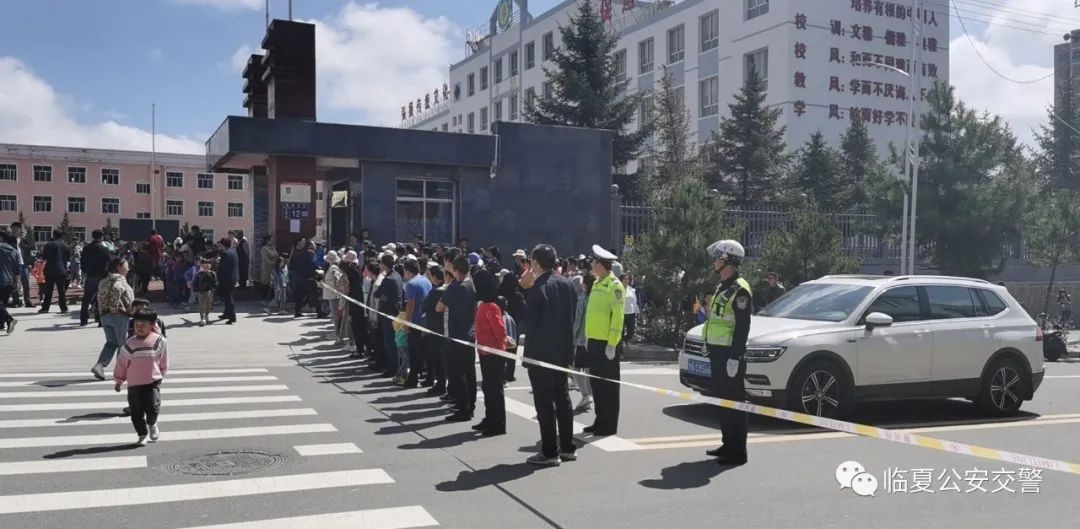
(878, 319)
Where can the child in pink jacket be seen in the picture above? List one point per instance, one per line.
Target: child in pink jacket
(142, 363)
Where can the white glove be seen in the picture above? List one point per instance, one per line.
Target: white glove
(609, 352)
(732, 367)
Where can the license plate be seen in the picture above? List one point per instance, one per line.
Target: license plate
(698, 367)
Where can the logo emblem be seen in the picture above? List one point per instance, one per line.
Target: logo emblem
(618, 294)
(503, 14)
(742, 302)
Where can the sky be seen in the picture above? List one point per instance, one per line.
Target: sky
(66, 82)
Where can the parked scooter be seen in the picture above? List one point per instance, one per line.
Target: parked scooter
(1055, 338)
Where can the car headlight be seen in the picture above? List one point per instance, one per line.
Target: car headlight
(764, 353)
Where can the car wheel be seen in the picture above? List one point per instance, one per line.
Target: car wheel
(1003, 388)
(821, 389)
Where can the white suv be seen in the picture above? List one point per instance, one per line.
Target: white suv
(832, 342)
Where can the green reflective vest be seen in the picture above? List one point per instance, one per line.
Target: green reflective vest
(605, 311)
(720, 327)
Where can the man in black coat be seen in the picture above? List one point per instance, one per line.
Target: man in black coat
(226, 276)
(94, 264)
(25, 253)
(57, 255)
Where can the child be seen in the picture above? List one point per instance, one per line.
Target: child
(511, 333)
(143, 303)
(281, 287)
(401, 340)
(38, 271)
(143, 371)
(204, 285)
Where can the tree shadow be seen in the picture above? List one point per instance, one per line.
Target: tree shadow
(90, 451)
(689, 475)
(501, 473)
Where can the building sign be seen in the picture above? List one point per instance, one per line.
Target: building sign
(504, 14)
(296, 210)
(296, 193)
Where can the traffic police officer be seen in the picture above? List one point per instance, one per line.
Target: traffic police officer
(603, 332)
(726, 331)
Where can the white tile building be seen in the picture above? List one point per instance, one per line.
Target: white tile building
(805, 49)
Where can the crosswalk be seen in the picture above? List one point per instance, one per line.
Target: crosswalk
(63, 458)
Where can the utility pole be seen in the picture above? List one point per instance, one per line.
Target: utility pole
(266, 10)
(153, 158)
(915, 92)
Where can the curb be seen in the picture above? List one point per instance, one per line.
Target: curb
(649, 352)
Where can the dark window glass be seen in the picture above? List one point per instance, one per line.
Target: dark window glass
(900, 303)
(949, 302)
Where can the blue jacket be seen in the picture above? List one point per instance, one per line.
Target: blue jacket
(9, 262)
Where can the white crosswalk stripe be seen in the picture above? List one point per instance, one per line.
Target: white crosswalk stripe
(51, 413)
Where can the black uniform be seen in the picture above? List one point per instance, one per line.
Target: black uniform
(733, 423)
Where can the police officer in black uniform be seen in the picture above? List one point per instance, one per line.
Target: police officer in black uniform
(726, 332)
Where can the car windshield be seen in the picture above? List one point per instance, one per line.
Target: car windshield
(818, 301)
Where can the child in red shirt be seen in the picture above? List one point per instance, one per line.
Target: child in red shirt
(490, 332)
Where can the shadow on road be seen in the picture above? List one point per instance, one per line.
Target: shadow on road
(91, 451)
(64, 383)
(99, 416)
(472, 480)
(689, 475)
(448, 441)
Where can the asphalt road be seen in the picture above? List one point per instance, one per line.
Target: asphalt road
(264, 423)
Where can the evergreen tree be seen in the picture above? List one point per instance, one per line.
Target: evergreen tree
(587, 89)
(65, 228)
(1058, 159)
(1052, 234)
(810, 248)
(22, 220)
(110, 231)
(677, 158)
(858, 162)
(748, 154)
(817, 174)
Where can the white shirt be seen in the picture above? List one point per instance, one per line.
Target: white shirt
(631, 301)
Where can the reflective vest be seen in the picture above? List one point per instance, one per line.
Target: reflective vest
(720, 327)
(605, 311)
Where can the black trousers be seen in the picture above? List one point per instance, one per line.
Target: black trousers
(60, 283)
(307, 291)
(551, 397)
(358, 323)
(145, 402)
(629, 327)
(378, 345)
(226, 293)
(436, 360)
(492, 372)
(605, 394)
(733, 423)
(5, 293)
(511, 365)
(417, 356)
(90, 291)
(462, 368)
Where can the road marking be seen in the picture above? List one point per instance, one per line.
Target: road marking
(392, 518)
(172, 417)
(120, 402)
(54, 394)
(86, 499)
(181, 380)
(1062, 376)
(15, 468)
(611, 443)
(86, 374)
(650, 371)
(183, 435)
(328, 449)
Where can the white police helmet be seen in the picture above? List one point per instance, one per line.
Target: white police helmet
(729, 250)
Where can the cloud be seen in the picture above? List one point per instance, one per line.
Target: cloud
(227, 4)
(31, 112)
(370, 60)
(240, 58)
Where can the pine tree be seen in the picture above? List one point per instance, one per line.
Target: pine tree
(810, 248)
(858, 162)
(1058, 159)
(587, 89)
(677, 158)
(22, 220)
(749, 158)
(817, 173)
(65, 228)
(110, 231)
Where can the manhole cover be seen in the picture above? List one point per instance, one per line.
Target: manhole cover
(225, 463)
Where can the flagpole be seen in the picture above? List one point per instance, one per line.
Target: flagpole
(153, 157)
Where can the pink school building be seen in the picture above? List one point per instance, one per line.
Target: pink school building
(93, 185)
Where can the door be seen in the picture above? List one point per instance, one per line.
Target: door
(901, 353)
(962, 339)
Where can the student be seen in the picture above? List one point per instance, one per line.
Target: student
(143, 362)
(281, 288)
(143, 303)
(203, 285)
(491, 332)
(401, 341)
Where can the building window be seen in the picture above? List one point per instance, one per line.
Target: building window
(425, 207)
(756, 8)
(236, 182)
(710, 31)
(110, 206)
(208, 234)
(530, 55)
(142, 215)
(206, 209)
(77, 233)
(457, 91)
(205, 181)
(42, 234)
(9, 203)
(710, 96)
(318, 195)
(445, 127)
(498, 111)
(471, 120)
(548, 90)
(9, 172)
(498, 70)
(174, 208)
(110, 177)
(42, 204)
(530, 97)
(549, 45)
(620, 64)
(513, 63)
(645, 55)
(76, 205)
(76, 175)
(676, 44)
(174, 179)
(645, 112)
(43, 173)
(236, 209)
(142, 188)
(513, 108)
(680, 98)
(483, 79)
(470, 84)
(757, 62)
(483, 119)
